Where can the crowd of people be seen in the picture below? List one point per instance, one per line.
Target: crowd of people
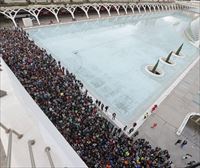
(61, 97)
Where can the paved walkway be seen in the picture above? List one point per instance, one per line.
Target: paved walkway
(169, 117)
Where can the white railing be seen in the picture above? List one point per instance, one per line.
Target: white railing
(47, 150)
(8, 130)
(9, 150)
(193, 4)
(30, 144)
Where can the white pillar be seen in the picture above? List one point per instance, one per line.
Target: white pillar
(144, 8)
(13, 19)
(138, 8)
(97, 8)
(149, 8)
(125, 8)
(10, 15)
(158, 7)
(132, 8)
(154, 7)
(71, 10)
(54, 11)
(107, 7)
(85, 9)
(34, 12)
(117, 9)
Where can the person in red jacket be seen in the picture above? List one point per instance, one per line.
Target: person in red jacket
(154, 108)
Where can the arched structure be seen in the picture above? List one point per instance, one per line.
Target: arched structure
(11, 12)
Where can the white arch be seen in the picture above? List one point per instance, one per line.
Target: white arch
(149, 6)
(187, 117)
(117, 6)
(38, 12)
(97, 8)
(54, 11)
(34, 12)
(158, 6)
(107, 7)
(85, 8)
(132, 7)
(144, 7)
(71, 9)
(172, 7)
(154, 8)
(125, 6)
(11, 14)
(162, 7)
(175, 6)
(138, 7)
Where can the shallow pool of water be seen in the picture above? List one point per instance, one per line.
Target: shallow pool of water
(110, 56)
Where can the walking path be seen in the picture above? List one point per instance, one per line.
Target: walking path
(169, 117)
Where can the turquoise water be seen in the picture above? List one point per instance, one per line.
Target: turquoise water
(110, 56)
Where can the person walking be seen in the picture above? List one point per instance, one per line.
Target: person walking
(102, 106)
(188, 155)
(134, 124)
(154, 108)
(178, 141)
(184, 157)
(131, 130)
(113, 116)
(136, 133)
(106, 108)
(154, 125)
(183, 143)
(125, 128)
